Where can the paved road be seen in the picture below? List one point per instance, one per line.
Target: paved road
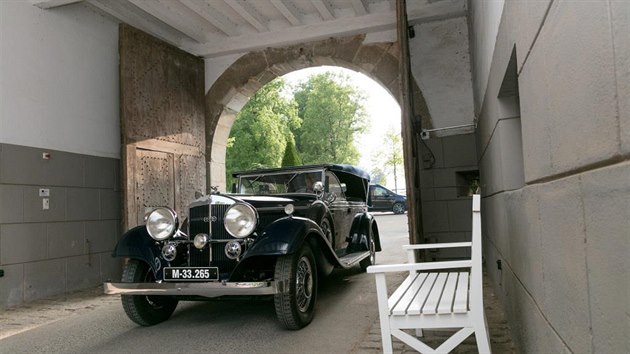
(346, 311)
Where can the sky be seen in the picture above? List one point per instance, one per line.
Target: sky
(382, 110)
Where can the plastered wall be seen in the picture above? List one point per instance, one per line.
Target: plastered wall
(555, 170)
(59, 97)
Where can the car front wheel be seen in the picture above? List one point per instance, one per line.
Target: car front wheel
(295, 302)
(398, 208)
(141, 309)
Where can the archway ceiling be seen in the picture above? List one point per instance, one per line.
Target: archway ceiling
(211, 28)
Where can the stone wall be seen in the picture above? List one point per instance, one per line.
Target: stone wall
(554, 154)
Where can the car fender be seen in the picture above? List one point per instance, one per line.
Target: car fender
(361, 226)
(137, 244)
(285, 236)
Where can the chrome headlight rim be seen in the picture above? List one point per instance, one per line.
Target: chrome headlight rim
(240, 220)
(161, 223)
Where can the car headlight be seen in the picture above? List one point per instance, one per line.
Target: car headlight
(161, 223)
(240, 220)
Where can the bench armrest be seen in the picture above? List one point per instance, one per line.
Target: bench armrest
(409, 267)
(424, 246)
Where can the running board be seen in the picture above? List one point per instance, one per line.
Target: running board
(351, 259)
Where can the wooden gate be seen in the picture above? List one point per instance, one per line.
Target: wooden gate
(162, 125)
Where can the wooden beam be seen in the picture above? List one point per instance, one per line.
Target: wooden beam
(49, 4)
(372, 22)
(360, 8)
(212, 15)
(171, 18)
(441, 10)
(324, 9)
(249, 14)
(124, 12)
(288, 11)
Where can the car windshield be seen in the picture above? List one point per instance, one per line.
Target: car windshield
(279, 183)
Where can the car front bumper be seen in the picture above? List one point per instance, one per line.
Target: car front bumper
(205, 289)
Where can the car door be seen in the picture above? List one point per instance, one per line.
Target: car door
(342, 211)
(381, 198)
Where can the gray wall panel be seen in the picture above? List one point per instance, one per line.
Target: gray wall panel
(65, 239)
(21, 243)
(44, 279)
(11, 204)
(36, 245)
(83, 204)
(12, 285)
(33, 204)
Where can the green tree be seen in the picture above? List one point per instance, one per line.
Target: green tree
(291, 157)
(377, 176)
(261, 130)
(332, 116)
(392, 155)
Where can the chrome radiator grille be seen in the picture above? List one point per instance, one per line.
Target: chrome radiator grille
(200, 224)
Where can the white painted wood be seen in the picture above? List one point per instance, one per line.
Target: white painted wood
(415, 307)
(288, 11)
(360, 8)
(166, 15)
(419, 266)
(324, 9)
(446, 302)
(437, 245)
(49, 4)
(212, 15)
(122, 11)
(433, 299)
(249, 14)
(442, 300)
(369, 23)
(402, 289)
(419, 283)
(436, 11)
(460, 304)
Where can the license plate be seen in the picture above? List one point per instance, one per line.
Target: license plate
(191, 273)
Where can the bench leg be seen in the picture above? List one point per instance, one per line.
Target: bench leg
(419, 332)
(481, 335)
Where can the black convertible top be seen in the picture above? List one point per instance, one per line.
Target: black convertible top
(350, 169)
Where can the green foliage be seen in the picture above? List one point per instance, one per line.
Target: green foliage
(377, 176)
(261, 130)
(291, 157)
(391, 155)
(332, 116)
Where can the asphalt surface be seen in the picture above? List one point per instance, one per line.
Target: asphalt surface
(93, 323)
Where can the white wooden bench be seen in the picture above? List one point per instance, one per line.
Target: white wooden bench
(435, 295)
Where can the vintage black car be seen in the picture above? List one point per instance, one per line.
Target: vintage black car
(276, 234)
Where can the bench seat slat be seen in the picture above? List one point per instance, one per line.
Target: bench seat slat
(460, 304)
(446, 303)
(416, 305)
(407, 298)
(400, 291)
(430, 306)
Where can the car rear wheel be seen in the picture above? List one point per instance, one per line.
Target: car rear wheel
(371, 260)
(398, 208)
(141, 309)
(295, 302)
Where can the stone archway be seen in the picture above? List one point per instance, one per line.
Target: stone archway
(230, 92)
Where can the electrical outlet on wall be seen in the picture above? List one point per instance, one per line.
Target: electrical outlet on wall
(45, 204)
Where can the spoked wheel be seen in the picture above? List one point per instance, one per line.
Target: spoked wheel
(371, 260)
(142, 309)
(398, 208)
(295, 303)
(327, 229)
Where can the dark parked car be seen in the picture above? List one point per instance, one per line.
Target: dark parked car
(382, 199)
(275, 235)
